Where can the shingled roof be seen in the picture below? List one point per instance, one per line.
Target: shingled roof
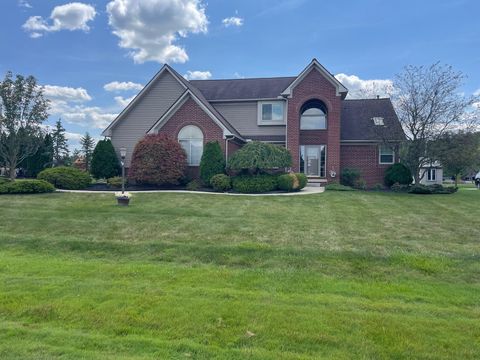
(357, 120)
(243, 89)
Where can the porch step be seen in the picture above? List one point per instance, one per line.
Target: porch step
(316, 182)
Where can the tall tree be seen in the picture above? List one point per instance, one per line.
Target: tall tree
(459, 153)
(42, 158)
(22, 110)
(60, 144)
(429, 103)
(88, 144)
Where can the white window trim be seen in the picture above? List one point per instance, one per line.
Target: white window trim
(189, 161)
(380, 157)
(431, 171)
(270, 122)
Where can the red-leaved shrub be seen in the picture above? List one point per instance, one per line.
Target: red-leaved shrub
(158, 160)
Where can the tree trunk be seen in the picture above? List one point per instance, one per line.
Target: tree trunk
(12, 171)
(456, 180)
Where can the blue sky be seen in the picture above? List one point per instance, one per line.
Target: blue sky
(76, 48)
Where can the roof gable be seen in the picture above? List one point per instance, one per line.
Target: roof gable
(146, 89)
(315, 65)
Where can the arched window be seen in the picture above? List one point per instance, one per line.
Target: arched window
(191, 139)
(313, 116)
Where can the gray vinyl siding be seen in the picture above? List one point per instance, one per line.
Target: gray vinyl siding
(134, 125)
(243, 117)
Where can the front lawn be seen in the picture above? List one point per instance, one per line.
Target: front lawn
(338, 275)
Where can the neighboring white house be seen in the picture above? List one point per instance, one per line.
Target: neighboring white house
(431, 173)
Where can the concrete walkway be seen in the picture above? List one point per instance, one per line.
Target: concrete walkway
(305, 191)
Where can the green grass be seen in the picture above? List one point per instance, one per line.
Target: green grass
(338, 275)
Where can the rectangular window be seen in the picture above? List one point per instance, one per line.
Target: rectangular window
(313, 160)
(387, 155)
(432, 174)
(271, 113)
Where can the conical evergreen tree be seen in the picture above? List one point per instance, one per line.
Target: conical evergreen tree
(60, 145)
(88, 144)
(105, 162)
(212, 162)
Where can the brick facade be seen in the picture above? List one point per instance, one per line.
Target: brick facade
(366, 159)
(315, 86)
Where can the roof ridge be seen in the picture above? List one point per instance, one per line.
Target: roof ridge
(252, 78)
(376, 99)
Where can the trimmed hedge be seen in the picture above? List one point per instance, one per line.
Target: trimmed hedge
(26, 187)
(68, 178)
(254, 183)
(158, 160)
(292, 182)
(432, 189)
(398, 173)
(338, 187)
(221, 182)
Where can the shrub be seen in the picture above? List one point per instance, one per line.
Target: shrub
(361, 184)
(349, 176)
(212, 161)
(256, 156)
(399, 188)
(221, 182)
(193, 185)
(432, 189)
(292, 182)
(338, 187)
(420, 189)
(398, 173)
(26, 187)
(158, 160)
(4, 180)
(377, 187)
(105, 162)
(115, 182)
(63, 177)
(254, 183)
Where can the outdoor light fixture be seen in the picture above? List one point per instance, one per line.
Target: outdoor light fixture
(123, 154)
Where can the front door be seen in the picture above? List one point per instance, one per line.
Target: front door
(312, 160)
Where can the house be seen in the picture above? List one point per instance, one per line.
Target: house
(309, 114)
(431, 173)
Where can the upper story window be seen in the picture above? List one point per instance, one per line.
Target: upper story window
(313, 116)
(191, 139)
(271, 113)
(386, 155)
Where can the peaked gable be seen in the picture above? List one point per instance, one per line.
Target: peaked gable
(164, 72)
(315, 65)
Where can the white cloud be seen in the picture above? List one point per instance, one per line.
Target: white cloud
(71, 16)
(65, 93)
(197, 75)
(238, 75)
(232, 21)
(360, 88)
(150, 28)
(477, 93)
(68, 103)
(123, 102)
(24, 4)
(122, 86)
